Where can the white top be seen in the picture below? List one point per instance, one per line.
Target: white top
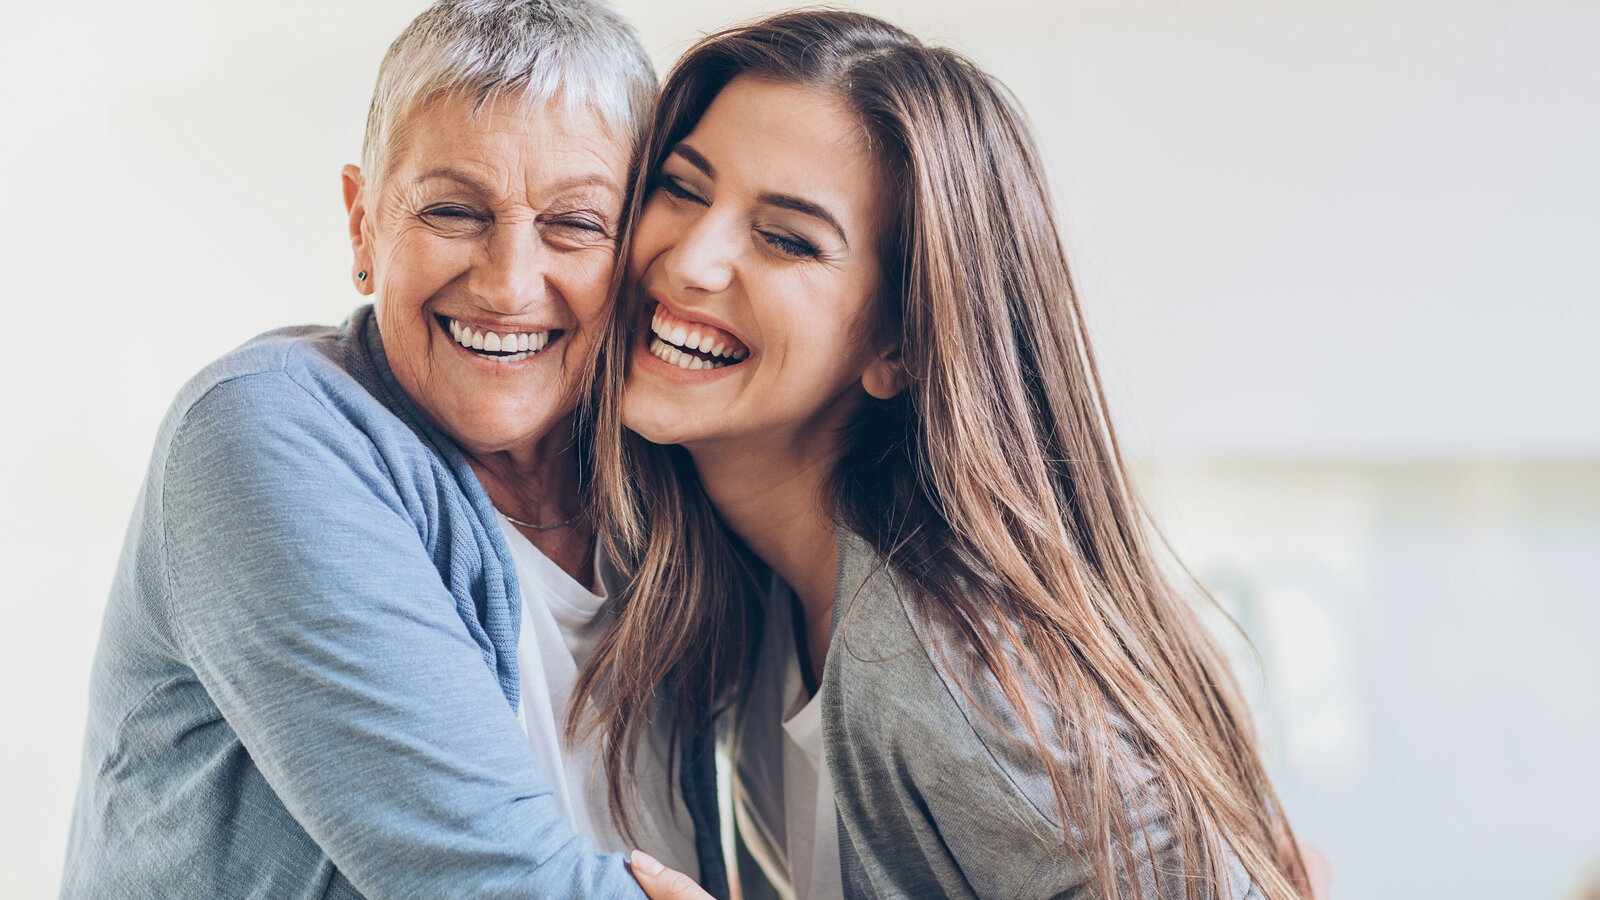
(783, 795)
(562, 621)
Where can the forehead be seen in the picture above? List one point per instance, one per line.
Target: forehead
(505, 144)
(791, 139)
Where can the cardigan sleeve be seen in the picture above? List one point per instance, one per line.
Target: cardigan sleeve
(309, 606)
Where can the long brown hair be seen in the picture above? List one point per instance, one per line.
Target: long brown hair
(993, 485)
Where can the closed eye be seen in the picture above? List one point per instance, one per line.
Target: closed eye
(790, 246)
(454, 220)
(579, 223)
(677, 189)
(452, 212)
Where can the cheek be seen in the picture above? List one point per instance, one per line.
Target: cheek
(412, 268)
(652, 236)
(407, 340)
(399, 319)
(587, 284)
(829, 347)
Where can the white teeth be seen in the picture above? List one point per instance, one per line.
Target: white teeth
(519, 346)
(684, 339)
(670, 354)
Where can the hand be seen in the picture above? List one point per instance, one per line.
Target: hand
(662, 883)
(1319, 871)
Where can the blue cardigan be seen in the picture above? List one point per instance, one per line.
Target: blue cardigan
(306, 684)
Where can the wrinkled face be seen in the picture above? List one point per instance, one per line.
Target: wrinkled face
(755, 262)
(489, 247)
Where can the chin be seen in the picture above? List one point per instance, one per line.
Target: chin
(651, 432)
(664, 429)
(469, 431)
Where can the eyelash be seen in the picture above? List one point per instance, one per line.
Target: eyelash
(581, 224)
(461, 212)
(675, 188)
(790, 246)
(452, 212)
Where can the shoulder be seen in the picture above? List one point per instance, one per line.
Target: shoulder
(879, 652)
(300, 419)
(926, 740)
(885, 633)
(907, 684)
(291, 387)
(307, 364)
(919, 744)
(910, 678)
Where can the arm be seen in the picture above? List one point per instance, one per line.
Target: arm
(308, 606)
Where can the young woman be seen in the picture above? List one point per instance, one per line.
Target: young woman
(860, 387)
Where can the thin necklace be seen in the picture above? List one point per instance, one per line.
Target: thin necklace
(541, 527)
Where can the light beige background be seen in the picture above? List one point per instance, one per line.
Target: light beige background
(1339, 257)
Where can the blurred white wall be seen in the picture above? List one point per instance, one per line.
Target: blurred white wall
(1338, 257)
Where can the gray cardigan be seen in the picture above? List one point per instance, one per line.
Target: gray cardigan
(936, 794)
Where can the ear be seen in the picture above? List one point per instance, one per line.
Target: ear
(886, 376)
(355, 203)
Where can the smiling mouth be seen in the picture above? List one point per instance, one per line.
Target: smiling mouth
(501, 346)
(693, 345)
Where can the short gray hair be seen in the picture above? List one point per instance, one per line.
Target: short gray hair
(531, 51)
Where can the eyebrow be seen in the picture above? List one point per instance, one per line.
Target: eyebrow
(456, 175)
(783, 201)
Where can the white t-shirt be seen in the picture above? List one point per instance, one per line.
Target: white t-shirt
(561, 624)
(783, 795)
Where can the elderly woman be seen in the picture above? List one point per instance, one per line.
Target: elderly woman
(359, 583)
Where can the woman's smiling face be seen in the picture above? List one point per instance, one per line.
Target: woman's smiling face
(490, 243)
(755, 261)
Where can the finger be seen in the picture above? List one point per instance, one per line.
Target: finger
(1318, 870)
(662, 883)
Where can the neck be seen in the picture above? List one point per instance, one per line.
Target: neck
(775, 503)
(537, 482)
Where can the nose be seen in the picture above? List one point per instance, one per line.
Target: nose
(702, 260)
(510, 273)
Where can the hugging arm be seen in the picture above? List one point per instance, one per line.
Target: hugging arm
(306, 602)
